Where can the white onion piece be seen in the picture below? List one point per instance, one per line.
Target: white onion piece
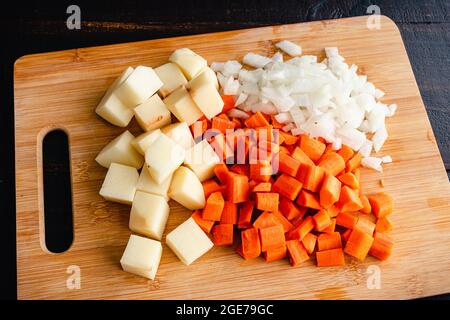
(241, 99)
(289, 47)
(331, 52)
(231, 86)
(386, 159)
(277, 57)
(284, 117)
(366, 148)
(236, 113)
(222, 79)
(288, 127)
(297, 131)
(256, 60)
(337, 144)
(379, 138)
(351, 137)
(217, 66)
(392, 109)
(372, 163)
(231, 68)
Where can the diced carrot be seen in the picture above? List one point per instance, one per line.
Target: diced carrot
(261, 170)
(237, 123)
(288, 165)
(267, 201)
(309, 200)
(265, 220)
(198, 128)
(333, 211)
(229, 213)
(223, 116)
(264, 133)
(346, 152)
(311, 177)
(381, 246)
(221, 147)
(349, 179)
(256, 120)
(328, 241)
(262, 187)
(331, 228)
(349, 200)
(329, 191)
(287, 186)
(289, 139)
(245, 215)
(205, 225)
(300, 231)
(357, 173)
(213, 207)
(240, 169)
(328, 149)
(366, 204)
(309, 242)
(321, 220)
(297, 220)
(354, 162)
(275, 123)
(274, 254)
(345, 235)
(289, 210)
(284, 149)
(237, 188)
(221, 171)
(347, 220)
(222, 234)
(297, 252)
(228, 101)
(332, 163)
(365, 225)
(381, 204)
(272, 237)
(358, 244)
(329, 258)
(383, 225)
(251, 246)
(283, 221)
(220, 124)
(312, 147)
(210, 186)
(301, 156)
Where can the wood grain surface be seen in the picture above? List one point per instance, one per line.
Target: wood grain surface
(61, 89)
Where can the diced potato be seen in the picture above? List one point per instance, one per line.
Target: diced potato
(163, 157)
(207, 75)
(139, 86)
(202, 159)
(180, 103)
(152, 114)
(172, 78)
(120, 150)
(208, 100)
(120, 183)
(189, 62)
(147, 184)
(142, 256)
(111, 108)
(180, 133)
(149, 214)
(188, 241)
(186, 189)
(141, 142)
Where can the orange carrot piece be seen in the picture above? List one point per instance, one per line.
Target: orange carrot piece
(333, 211)
(321, 220)
(301, 156)
(222, 234)
(309, 242)
(198, 128)
(329, 258)
(275, 124)
(272, 237)
(267, 201)
(284, 149)
(329, 191)
(366, 204)
(383, 225)
(237, 188)
(346, 152)
(357, 173)
(300, 231)
(262, 187)
(365, 225)
(256, 120)
(309, 200)
(283, 221)
(358, 244)
(349, 200)
(221, 147)
(381, 246)
(229, 213)
(213, 207)
(221, 171)
(261, 170)
(221, 125)
(245, 215)
(311, 177)
(312, 147)
(274, 254)
(240, 169)
(297, 252)
(205, 225)
(349, 179)
(354, 162)
(237, 123)
(381, 203)
(228, 101)
(289, 210)
(251, 246)
(265, 220)
(331, 228)
(328, 241)
(210, 186)
(332, 163)
(346, 220)
(289, 139)
(345, 235)
(288, 165)
(287, 186)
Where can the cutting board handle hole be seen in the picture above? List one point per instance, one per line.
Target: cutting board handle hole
(57, 191)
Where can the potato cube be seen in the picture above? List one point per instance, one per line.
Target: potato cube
(202, 159)
(147, 184)
(182, 106)
(188, 241)
(149, 214)
(120, 150)
(180, 133)
(189, 62)
(139, 86)
(172, 78)
(141, 142)
(208, 100)
(120, 183)
(207, 75)
(142, 256)
(163, 157)
(186, 189)
(152, 114)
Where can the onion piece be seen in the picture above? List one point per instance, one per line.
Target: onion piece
(372, 163)
(284, 117)
(236, 113)
(256, 60)
(386, 159)
(379, 138)
(241, 99)
(289, 47)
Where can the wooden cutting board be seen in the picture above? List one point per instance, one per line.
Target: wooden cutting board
(61, 90)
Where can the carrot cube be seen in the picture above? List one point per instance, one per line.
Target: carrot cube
(222, 234)
(272, 237)
(329, 258)
(358, 244)
(213, 207)
(297, 252)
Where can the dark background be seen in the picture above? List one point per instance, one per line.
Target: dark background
(36, 26)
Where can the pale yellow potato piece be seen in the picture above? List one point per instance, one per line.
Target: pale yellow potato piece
(141, 142)
(182, 106)
(120, 150)
(142, 256)
(180, 133)
(189, 62)
(208, 100)
(207, 75)
(188, 241)
(186, 189)
(172, 78)
(202, 159)
(152, 114)
(120, 183)
(147, 184)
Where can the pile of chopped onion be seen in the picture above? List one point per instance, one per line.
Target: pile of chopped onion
(327, 99)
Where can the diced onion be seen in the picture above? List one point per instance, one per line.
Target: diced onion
(372, 163)
(289, 47)
(236, 113)
(256, 60)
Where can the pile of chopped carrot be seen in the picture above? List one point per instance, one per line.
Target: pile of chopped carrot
(279, 195)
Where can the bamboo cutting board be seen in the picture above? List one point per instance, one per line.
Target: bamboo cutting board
(61, 90)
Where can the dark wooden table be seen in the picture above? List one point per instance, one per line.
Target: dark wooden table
(36, 27)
